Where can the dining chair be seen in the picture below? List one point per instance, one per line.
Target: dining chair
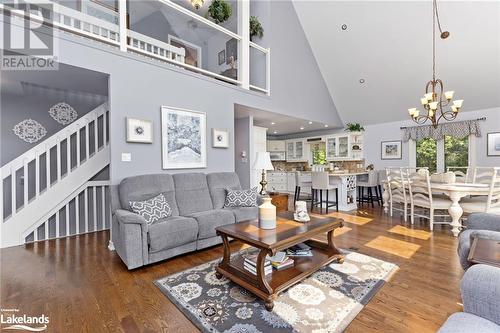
(370, 183)
(462, 174)
(397, 189)
(419, 185)
(300, 184)
(489, 203)
(482, 175)
(321, 182)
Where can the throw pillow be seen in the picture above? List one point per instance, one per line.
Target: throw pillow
(241, 198)
(152, 209)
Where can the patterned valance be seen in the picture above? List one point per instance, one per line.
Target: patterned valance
(458, 129)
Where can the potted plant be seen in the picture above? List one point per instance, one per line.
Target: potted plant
(219, 11)
(354, 127)
(256, 28)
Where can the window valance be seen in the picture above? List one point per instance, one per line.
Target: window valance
(458, 129)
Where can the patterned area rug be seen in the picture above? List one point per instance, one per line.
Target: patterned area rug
(326, 301)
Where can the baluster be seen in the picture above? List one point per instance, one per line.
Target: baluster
(86, 207)
(37, 174)
(77, 213)
(58, 158)
(1, 198)
(103, 207)
(68, 231)
(46, 228)
(25, 183)
(104, 129)
(47, 167)
(96, 136)
(77, 147)
(94, 191)
(57, 225)
(68, 153)
(35, 234)
(13, 179)
(87, 141)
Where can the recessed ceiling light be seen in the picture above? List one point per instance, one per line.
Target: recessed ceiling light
(273, 123)
(326, 125)
(301, 127)
(275, 132)
(344, 26)
(361, 80)
(310, 123)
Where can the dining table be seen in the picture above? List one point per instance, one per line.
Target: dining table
(455, 191)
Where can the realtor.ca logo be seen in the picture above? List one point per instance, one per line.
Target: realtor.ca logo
(11, 319)
(29, 42)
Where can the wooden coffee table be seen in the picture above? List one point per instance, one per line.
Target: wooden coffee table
(485, 251)
(269, 242)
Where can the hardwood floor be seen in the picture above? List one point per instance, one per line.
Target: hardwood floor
(83, 287)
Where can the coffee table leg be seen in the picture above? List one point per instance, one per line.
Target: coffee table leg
(269, 304)
(331, 245)
(227, 255)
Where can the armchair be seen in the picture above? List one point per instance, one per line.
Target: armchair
(480, 290)
(482, 225)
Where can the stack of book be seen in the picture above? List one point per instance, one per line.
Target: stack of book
(281, 261)
(250, 265)
(299, 250)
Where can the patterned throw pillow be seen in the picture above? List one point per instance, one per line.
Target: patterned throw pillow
(152, 209)
(241, 198)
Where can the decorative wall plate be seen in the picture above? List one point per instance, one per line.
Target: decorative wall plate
(30, 130)
(63, 113)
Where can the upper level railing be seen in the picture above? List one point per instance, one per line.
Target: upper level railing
(187, 40)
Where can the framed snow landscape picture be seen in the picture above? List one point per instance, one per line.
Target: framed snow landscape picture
(183, 137)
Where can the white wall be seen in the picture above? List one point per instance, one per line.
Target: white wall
(375, 134)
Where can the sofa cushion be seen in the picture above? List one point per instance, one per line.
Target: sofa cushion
(171, 232)
(244, 213)
(140, 188)
(219, 183)
(211, 219)
(462, 322)
(241, 198)
(191, 193)
(152, 209)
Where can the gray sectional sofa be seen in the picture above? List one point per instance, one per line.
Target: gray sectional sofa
(197, 202)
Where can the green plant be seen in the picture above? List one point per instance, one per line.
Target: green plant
(354, 127)
(219, 11)
(256, 28)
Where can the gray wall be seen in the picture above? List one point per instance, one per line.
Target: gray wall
(138, 87)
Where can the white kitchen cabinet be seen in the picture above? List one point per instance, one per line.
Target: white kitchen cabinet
(296, 151)
(290, 182)
(342, 147)
(331, 148)
(290, 151)
(277, 181)
(276, 145)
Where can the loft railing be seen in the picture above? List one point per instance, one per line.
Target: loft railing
(201, 46)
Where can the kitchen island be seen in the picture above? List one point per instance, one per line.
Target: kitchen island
(284, 181)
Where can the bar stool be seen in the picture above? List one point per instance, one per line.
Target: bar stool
(321, 182)
(371, 183)
(299, 185)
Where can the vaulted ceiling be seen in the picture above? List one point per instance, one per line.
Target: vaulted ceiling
(387, 44)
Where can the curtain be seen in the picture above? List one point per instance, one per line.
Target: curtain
(458, 129)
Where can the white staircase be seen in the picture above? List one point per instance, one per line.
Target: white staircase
(36, 182)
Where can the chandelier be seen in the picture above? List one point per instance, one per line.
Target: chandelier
(197, 3)
(436, 102)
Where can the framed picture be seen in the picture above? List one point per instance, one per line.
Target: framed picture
(222, 57)
(139, 130)
(231, 50)
(493, 146)
(391, 150)
(183, 138)
(220, 138)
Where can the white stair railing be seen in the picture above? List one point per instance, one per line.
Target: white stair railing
(44, 175)
(87, 209)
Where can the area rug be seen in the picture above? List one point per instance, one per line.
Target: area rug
(326, 301)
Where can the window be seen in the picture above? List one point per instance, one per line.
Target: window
(427, 154)
(439, 155)
(319, 154)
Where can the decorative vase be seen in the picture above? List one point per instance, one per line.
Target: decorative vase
(267, 214)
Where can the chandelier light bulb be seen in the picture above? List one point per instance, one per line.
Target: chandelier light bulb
(428, 96)
(449, 95)
(412, 111)
(423, 100)
(458, 103)
(433, 105)
(454, 109)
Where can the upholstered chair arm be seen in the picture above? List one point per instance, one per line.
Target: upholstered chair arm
(483, 221)
(481, 292)
(127, 217)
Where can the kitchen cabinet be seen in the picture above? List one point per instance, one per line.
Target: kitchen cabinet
(276, 145)
(277, 181)
(344, 147)
(296, 151)
(290, 182)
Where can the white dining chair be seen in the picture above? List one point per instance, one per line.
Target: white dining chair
(321, 182)
(482, 175)
(489, 203)
(462, 174)
(300, 185)
(421, 196)
(398, 193)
